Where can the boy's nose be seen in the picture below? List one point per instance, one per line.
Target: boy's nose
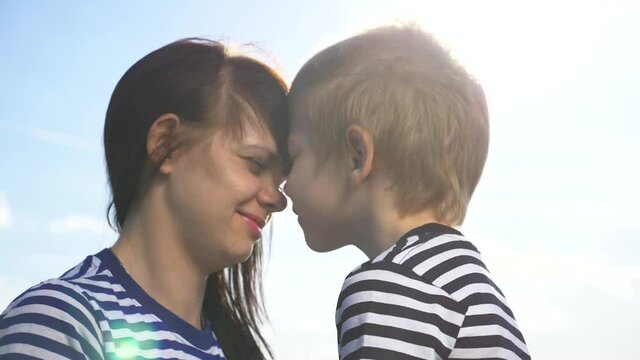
(281, 202)
(287, 188)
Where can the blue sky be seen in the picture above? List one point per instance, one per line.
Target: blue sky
(555, 216)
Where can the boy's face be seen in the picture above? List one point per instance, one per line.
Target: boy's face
(318, 189)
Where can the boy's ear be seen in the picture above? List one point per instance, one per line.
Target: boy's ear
(160, 140)
(360, 147)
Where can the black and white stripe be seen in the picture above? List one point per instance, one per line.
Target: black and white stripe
(428, 297)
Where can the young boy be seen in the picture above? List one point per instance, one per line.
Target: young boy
(389, 136)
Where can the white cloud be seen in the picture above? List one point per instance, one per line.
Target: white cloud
(545, 267)
(63, 139)
(566, 210)
(77, 223)
(10, 288)
(555, 320)
(305, 310)
(54, 137)
(6, 218)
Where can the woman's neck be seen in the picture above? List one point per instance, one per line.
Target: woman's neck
(150, 250)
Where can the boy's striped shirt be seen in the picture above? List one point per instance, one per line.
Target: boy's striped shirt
(96, 311)
(428, 297)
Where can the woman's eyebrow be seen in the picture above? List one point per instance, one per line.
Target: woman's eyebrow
(271, 152)
(272, 156)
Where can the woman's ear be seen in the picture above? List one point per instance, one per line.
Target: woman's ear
(160, 141)
(360, 152)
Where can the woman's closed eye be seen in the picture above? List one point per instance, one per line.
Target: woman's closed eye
(257, 166)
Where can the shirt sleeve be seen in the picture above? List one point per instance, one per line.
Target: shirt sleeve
(50, 321)
(490, 331)
(386, 311)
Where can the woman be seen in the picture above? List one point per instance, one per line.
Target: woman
(195, 143)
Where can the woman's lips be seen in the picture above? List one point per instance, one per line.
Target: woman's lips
(255, 224)
(256, 219)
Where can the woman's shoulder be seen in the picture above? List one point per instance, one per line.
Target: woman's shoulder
(68, 289)
(53, 293)
(51, 318)
(55, 316)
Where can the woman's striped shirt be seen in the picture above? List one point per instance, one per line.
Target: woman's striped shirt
(97, 311)
(430, 296)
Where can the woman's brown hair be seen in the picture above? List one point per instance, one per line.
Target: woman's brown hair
(209, 90)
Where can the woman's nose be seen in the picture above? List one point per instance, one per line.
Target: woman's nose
(272, 198)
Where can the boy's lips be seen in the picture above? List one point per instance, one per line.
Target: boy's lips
(297, 215)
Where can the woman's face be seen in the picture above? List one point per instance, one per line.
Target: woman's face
(221, 192)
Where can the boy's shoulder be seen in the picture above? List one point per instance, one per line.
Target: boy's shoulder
(430, 290)
(437, 256)
(408, 271)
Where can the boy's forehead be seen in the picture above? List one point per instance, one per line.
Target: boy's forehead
(300, 126)
(299, 132)
(299, 123)
(296, 136)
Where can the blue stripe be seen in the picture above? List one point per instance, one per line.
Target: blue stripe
(101, 290)
(96, 322)
(82, 300)
(16, 356)
(127, 309)
(42, 343)
(159, 345)
(86, 264)
(63, 306)
(55, 324)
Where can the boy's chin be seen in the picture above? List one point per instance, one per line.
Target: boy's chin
(320, 244)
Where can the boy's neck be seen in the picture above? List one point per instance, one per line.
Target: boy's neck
(379, 223)
(388, 225)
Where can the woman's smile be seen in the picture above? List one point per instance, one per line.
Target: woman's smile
(254, 223)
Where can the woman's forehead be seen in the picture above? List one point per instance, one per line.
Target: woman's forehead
(251, 137)
(257, 134)
(249, 130)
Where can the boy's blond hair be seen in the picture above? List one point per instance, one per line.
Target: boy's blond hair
(427, 116)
